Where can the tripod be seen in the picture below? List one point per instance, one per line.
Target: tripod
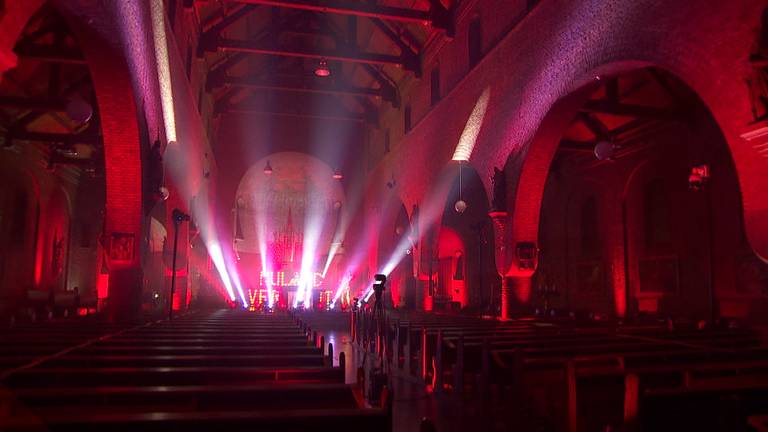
(378, 315)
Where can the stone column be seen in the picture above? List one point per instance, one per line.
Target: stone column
(499, 219)
(519, 276)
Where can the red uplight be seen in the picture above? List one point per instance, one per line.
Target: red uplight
(322, 69)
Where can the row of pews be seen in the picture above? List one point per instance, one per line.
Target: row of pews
(583, 376)
(202, 371)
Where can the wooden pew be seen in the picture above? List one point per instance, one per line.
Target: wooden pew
(198, 372)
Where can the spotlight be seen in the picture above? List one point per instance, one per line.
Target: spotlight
(268, 169)
(337, 174)
(322, 69)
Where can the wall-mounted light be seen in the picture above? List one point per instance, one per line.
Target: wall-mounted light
(698, 177)
(268, 169)
(322, 69)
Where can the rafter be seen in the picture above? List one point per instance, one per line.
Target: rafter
(302, 86)
(437, 16)
(385, 82)
(577, 146)
(595, 126)
(344, 55)
(405, 50)
(48, 53)
(628, 110)
(209, 36)
(286, 113)
(33, 104)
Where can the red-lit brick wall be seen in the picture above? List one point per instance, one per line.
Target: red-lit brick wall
(555, 49)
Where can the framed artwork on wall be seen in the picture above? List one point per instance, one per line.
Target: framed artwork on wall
(121, 247)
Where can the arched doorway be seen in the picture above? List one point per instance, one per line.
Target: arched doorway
(465, 270)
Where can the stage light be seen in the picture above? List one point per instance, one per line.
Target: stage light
(335, 248)
(343, 286)
(322, 69)
(235, 277)
(214, 251)
(268, 169)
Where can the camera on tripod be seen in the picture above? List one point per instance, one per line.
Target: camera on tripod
(379, 281)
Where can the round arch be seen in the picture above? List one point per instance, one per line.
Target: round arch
(694, 138)
(114, 92)
(526, 194)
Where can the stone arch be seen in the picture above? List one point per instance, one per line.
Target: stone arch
(118, 118)
(474, 227)
(534, 168)
(527, 190)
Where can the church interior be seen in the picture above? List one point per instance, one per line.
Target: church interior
(384, 215)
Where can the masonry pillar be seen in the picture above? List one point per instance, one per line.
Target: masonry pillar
(519, 276)
(124, 219)
(499, 219)
(515, 265)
